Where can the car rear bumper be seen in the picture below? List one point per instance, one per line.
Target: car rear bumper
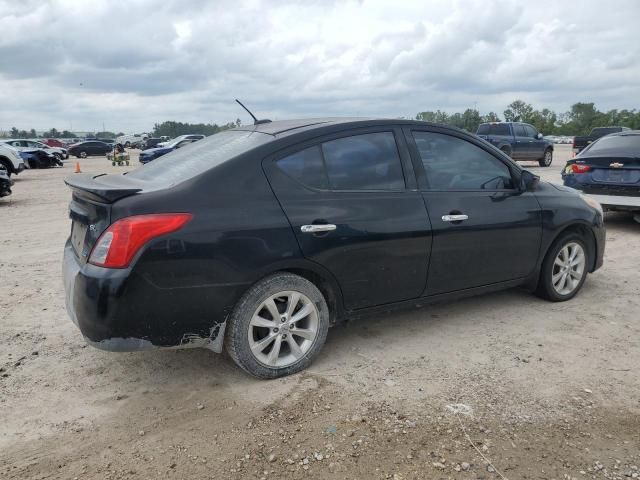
(117, 312)
(632, 203)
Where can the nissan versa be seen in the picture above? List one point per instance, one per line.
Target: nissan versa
(257, 239)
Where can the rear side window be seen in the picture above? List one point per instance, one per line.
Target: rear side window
(364, 162)
(306, 167)
(493, 129)
(359, 162)
(451, 163)
(519, 131)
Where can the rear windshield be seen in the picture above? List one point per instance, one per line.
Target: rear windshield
(198, 157)
(493, 129)
(620, 144)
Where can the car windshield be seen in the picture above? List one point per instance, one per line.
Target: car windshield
(622, 144)
(198, 157)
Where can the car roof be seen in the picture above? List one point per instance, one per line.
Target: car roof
(281, 128)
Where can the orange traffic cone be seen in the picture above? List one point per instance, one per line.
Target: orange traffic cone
(77, 170)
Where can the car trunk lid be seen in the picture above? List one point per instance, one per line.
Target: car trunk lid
(90, 207)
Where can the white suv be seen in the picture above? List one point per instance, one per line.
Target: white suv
(23, 145)
(10, 159)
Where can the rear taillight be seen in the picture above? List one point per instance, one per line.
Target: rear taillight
(579, 168)
(119, 243)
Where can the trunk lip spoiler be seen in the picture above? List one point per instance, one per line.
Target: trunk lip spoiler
(101, 191)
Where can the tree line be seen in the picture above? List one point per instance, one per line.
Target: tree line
(579, 120)
(169, 128)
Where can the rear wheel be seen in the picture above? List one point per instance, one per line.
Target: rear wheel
(547, 159)
(127, 145)
(278, 327)
(506, 151)
(564, 269)
(7, 166)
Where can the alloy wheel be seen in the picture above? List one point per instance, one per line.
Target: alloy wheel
(568, 268)
(283, 329)
(83, 154)
(548, 157)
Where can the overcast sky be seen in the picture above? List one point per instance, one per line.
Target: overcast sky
(131, 63)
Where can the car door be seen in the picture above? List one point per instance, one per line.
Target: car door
(485, 229)
(536, 145)
(521, 149)
(353, 212)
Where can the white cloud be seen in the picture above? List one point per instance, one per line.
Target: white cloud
(133, 63)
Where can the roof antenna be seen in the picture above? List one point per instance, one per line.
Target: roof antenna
(255, 120)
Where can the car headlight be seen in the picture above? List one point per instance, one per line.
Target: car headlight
(592, 203)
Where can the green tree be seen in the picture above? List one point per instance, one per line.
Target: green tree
(518, 111)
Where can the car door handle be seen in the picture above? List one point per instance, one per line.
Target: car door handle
(454, 218)
(325, 227)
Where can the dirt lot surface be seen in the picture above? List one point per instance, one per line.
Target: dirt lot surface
(539, 390)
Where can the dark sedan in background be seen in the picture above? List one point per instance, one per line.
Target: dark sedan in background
(152, 153)
(608, 170)
(89, 148)
(256, 239)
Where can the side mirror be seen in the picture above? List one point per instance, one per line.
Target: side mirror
(539, 136)
(528, 181)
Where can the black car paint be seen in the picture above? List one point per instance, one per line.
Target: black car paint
(91, 147)
(180, 288)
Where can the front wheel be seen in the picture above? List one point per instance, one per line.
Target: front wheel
(564, 269)
(278, 327)
(547, 159)
(83, 154)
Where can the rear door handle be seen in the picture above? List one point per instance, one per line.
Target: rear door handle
(325, 227)
(454, 218)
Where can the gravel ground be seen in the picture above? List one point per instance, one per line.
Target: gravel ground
(500, 386)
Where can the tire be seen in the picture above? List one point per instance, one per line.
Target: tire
(83, 154)
(127, 145)
(550, 269)
(242, 332)
(547, 159)
(7, 166)
(113, 164)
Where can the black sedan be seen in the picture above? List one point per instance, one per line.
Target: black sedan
(257, 239)
(89, 148)
(608, 170)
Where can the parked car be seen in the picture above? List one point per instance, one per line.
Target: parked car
(259, 238)
(580, 143)
(5, 182)
(54, 142)
(192, 137)
(11, 160)
(30, 145)
(152, 143)
(92, 147)
(132, 141)
(608, 170)
(151, 154)
(520, 141)
(37, 158)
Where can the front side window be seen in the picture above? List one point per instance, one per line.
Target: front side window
(451, 163)
(363, 162)
(531, 132)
